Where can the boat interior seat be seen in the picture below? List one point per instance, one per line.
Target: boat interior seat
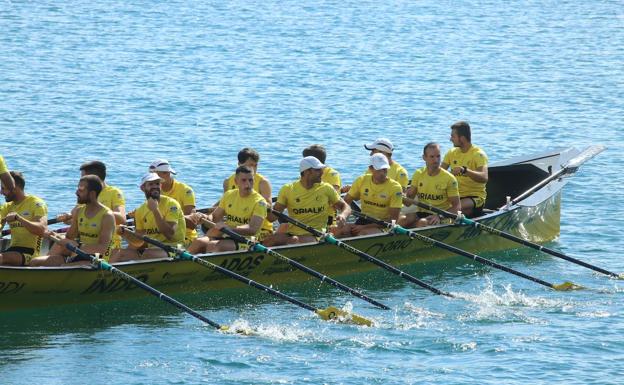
(511, 180)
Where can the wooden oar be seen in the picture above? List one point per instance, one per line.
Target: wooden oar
(570, 167)
(489, 229)
(102, 264)
(255, 246)
(327, 237)
(412, 234)
(329, 313)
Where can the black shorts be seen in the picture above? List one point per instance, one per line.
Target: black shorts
(363, 221)
(477, 211)
(25, 252)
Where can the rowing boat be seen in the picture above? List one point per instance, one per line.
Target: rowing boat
(536, 217)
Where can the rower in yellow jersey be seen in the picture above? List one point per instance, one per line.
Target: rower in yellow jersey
(242, 210)
(380, 197)
(92, 227)
(181, 192)
(330, 175)
(27, 216)
(432, 185)
(5, 177)
(160, 217)
(396, 171)
(308, 200)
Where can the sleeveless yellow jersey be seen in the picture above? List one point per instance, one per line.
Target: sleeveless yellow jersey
(377, 199)
(171, 211)
(89, 229)
(112, 197)
(473, 159)
(30, 208)
(267, 226)
(239, 210)
(185, 196)
(3, 166)
(396, 172)
(311, 206)
(435, 190)
(331, 176)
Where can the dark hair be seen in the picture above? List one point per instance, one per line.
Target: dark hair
(428, 146)
(94, 167)
(243, 170)
(248, 153)
(94, 183)
(317, 151)
(462, 128)
(18, 177)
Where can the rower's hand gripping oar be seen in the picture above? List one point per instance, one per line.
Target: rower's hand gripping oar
(328, 238)
(467, 221)
(412, 234)
(330, 313)
(102, 264)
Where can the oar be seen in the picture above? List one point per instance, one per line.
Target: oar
(254, 246)
(569, 167)
(412, 234)
(51, 221)
(101, 264)
(330, 313)
(327, 237)
(468, 221)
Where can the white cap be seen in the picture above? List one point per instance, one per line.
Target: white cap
(150, 176)
(379, 161)
(310, 162)
(161, 165)
(381, 144)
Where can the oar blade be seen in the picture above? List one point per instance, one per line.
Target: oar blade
(567, 286)
(334, 314)
(236, 330)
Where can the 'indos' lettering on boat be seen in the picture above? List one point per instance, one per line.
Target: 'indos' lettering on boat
(11, 287)
(103, 285)
(245, 265)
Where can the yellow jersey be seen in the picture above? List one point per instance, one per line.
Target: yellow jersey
(171, 211)
(3, 166)
(112, 197)
(396, 172)
(435, 190)
(311, 206)
(30, 208)
(331, 176)
(185, 196)
(90, 229)
(239, 210)
(267, 227)
(377, 199)
(473, 159)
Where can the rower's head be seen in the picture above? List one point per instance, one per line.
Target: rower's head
(18, 192)
(379, 166)
(317, 151)
(460, 133)
(431, 156)
(150, 185)
(94, 167)
(244, 180)
(249, 157)
(381, 146)
(311, 170)
(89, 187)
(163, 169)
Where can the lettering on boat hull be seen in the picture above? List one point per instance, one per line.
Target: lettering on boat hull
(11, 287)
(103, 285)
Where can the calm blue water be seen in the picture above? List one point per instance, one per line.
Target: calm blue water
(194, 81)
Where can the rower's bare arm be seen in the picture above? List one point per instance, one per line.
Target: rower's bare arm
(455, 204)
(251, 228)
(394, 213)
(106, 233)
(344, 209)
(277, 207)
(479, 175)
(265, 190)
(189, 217)
(72, 232)
(120, 214)
(37, 226)
(166, 228)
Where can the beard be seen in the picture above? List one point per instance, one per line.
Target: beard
(82, 201)
(153, 193)
(10, 197)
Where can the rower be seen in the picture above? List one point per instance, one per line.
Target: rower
(308, 200)
(27, 218)
(330, 175)
(396, 171)
(6, 180)
(469, 165)
(160, 217)
(379, 196)
(432, 185)
(92, 227)
(242, 210)
(179, 191)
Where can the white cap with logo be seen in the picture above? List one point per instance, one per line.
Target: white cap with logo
(381, 144)
(310, 162)
(150, 176)
(379, 161)
(161, 165)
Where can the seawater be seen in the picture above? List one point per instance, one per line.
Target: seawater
(195, 81)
